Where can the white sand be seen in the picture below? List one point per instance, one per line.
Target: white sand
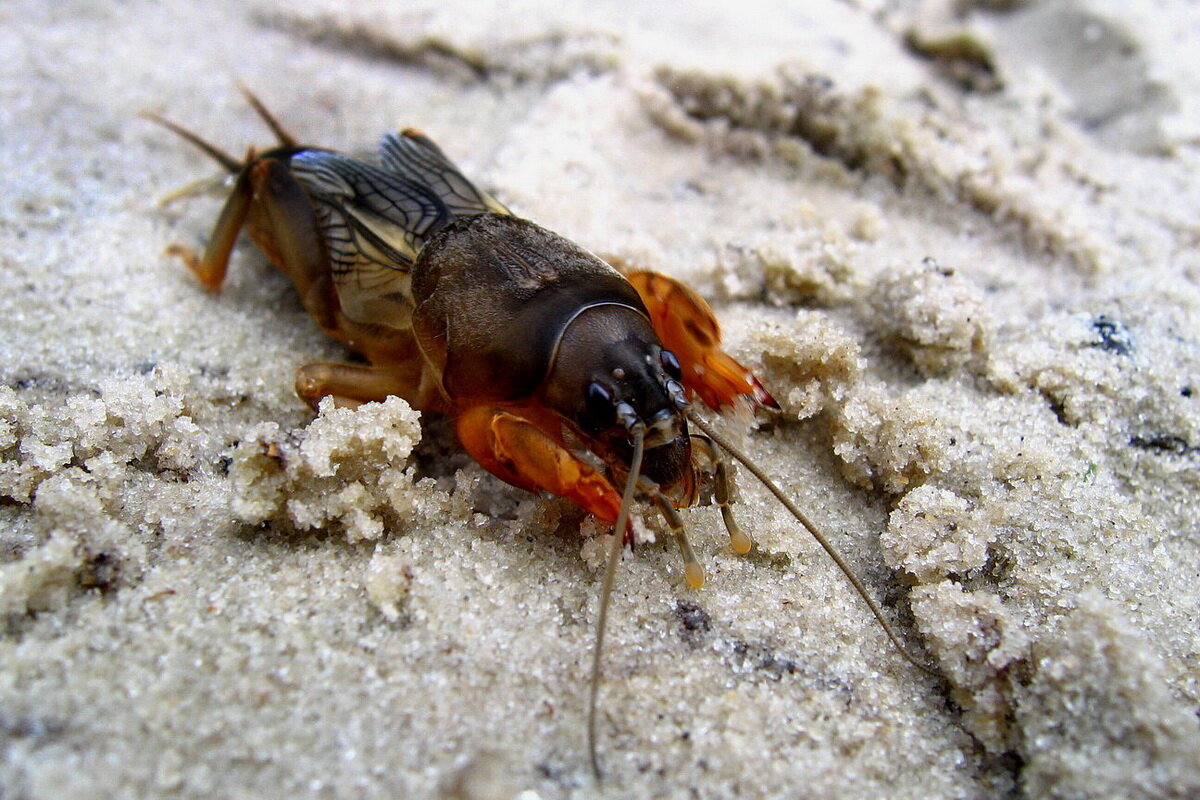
(970, 276)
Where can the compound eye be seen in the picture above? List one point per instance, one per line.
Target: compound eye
(599, 402)
(670, 365)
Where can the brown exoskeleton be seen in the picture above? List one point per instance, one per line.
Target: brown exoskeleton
(561, 373)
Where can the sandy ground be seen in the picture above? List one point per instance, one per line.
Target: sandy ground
(957, 240)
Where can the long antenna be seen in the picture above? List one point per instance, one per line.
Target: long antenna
(606, 589)
(822, 540)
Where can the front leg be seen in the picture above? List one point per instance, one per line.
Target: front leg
(522, 445)
(688, 328)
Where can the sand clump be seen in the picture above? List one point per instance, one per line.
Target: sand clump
(344, 471)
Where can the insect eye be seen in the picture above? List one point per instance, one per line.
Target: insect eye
(671, 366)
(599, 402)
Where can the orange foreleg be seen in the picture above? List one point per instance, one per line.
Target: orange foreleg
(522, 445)
(687, 327)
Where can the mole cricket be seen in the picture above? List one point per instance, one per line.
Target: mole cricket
(559, 372)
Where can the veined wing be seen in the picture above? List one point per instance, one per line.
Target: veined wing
(413, 156)
(369, 211)
(376, 219)
(375, 223)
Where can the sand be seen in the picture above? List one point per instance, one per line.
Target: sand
(958, 241)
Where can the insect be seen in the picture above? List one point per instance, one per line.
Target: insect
(561, 373)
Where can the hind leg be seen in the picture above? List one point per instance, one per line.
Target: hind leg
(211, 267)
(284, 226)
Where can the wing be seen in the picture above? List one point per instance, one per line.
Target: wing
(413, 156)
(376, 219)
(371, 212)
(374, 224)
